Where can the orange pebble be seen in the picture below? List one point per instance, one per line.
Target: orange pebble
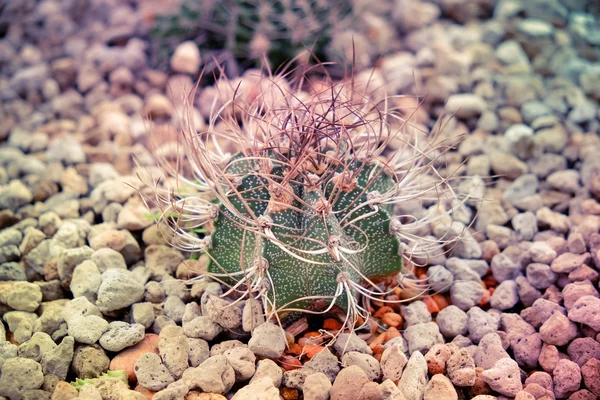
(378, 341)
(390, 334)
(383, 310)
(312, 334)
(392, 319)
(485, 299)
(432, 306)
(296, 348)
(149, 394)
(289, 393)
(289, 363)
(332, 324)
(310, 351)
(440, 300)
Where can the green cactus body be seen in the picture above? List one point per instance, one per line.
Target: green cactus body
(278, 29)
(320, 237)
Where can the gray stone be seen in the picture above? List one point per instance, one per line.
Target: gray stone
(465, 295)
(452, 321)
(316, 387)
(439, 278)
(121, 335)
(480, 323)
(522, 187)
(86, 280)
(174, 308)
(223, 312)
(18, 375)
(202, 327)
(87, 329)
(268, 341)
(262, 389)
(504, 268)
(242, 360)
(107, 258)
(198, 351)
(415, 313)
(505, 296)
(268, 368)
(422, 337)
(173, 347)
(37, 347)
(58, 360)
(414, 378)
(527, 351)
(12, 271)
(347, 342)
(119, 289)
(252, 315)
(151, 373)
(366, 362)
(213, 375)
(540, 275)
(525, 225)
(324, 362)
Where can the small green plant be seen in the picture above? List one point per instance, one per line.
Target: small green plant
(305, 211)
(122, 375)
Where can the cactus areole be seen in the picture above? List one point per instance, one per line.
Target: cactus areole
(322, 230)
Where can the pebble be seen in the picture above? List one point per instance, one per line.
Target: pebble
(204, 328)
(151, 373)
(574, 291)
(324, 362)
(174, 308)
(198, 351)
(186, 58)
(223, 312)
(504, 377)
(438, 388)
(524, 225)
(438, 356)
(527, 293)
(567, 262)
(489, 351)
(439, 278)
(261, 389)
(452, 321)
(243, 362)
(527, 350)
(119, 289)
(414, 378)
(393, 361)
(540, 275)
(480, 323)
(586, 310)
(540, 311)
(558, 330)
(57, 361)
(422, 337)
(120, 335)
(87, 329)
(461, 368)
(368, 363)
(465, 105)
(268, 340)
(591, 375)
(214, 375)
(143, 314)
(465, 295)
(89, 361)
(268, 368)
(504, 268)
(505, 296)
(415, 313)
(252, 315)
(316, 387)
(86, 280)
(348, 383)
(347, 342)
(107, 258)
(20, 374)
(566, 378)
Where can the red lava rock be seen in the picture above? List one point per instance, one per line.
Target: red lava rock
(591, 375)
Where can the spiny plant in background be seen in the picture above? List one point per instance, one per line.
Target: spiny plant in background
(278, 31)
(294, 186)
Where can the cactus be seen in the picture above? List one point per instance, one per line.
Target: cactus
(302, 210)
(275, 31)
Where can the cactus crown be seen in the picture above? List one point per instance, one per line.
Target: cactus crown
(302, 206)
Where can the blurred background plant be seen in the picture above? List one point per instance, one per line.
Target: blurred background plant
(277, 31)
